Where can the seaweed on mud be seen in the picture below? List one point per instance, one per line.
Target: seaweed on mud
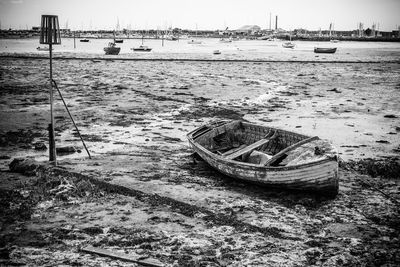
(157, 97)
(201, 112)
(181, 207)
(201, 99)
(19, 137)
(14, 206)
(93, 230)
(129, 237)
(24, 89)
(387, 168)
(91, 137)
(51, 185)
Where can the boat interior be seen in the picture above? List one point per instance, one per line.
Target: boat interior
(261, 145)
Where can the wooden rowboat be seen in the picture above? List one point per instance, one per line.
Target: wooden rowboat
(268, 156)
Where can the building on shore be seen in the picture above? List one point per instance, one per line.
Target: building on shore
(246, 31)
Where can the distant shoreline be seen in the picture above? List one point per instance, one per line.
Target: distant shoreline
(281, 38)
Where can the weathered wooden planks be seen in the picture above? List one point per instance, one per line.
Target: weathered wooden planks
(247, 149)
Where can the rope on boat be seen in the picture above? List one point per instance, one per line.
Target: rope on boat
(72, 119)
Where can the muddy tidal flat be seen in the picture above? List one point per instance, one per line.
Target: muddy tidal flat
(144, 193)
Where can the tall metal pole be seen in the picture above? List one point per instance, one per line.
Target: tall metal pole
(270, 21)
(52, 145)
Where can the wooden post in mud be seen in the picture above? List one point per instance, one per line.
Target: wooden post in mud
(74, 41)
(52, 141)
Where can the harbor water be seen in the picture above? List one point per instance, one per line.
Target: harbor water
(235, 50)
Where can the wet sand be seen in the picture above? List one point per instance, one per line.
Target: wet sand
(134, 117)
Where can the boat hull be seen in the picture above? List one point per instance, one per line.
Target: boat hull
(194, 42)
(325, 50)
(320, 176)
(288, 45)
(141, 50)
(112, 50)
(43, 49)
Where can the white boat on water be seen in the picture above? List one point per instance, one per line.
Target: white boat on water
(141, 48)
(223, 40)
(217, 52)
(288, 45)
(171, 37)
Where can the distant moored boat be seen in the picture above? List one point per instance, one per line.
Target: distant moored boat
(193, 41)
(84, 40)
(326, 50)
(42, 48)
(288, 45)
(171, 37)
(112, 49)
(141, 48)
(223, 40)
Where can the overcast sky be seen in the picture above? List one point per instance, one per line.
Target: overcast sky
(202, 14)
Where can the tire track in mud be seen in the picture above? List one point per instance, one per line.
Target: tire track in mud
(175, 205)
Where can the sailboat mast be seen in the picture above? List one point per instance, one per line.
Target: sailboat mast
(270, 21)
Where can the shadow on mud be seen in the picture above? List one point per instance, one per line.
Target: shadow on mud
(289, 198)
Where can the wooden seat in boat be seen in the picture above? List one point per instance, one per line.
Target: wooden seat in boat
(248, 149)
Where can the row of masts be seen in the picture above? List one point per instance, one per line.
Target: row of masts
(360, 27)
